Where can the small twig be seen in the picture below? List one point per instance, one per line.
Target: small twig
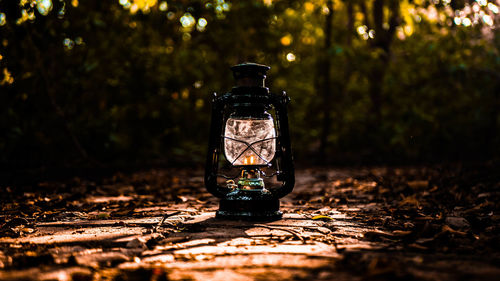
(317, 230)
(295, 234)
(169, 209)
(163, 219)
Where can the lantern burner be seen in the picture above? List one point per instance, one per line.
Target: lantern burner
(250, 180)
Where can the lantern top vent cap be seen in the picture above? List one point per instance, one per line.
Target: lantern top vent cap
(250, 74)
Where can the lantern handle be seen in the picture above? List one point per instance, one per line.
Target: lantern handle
(285, 161)
(214, 146)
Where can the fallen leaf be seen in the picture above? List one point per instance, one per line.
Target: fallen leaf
(321, 217)
(448, 229)
(137, 243)
(418, 184)
(103, 216)
(401, 232)
(457, 222)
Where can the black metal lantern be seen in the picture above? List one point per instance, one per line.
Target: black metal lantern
(251, 141)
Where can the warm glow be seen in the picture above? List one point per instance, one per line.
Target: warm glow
(136, 5)
(7, 78)
(286, 40)
(268, 2)
(249, 160)
(309, 7)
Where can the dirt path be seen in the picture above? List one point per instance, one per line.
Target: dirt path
(352, 224)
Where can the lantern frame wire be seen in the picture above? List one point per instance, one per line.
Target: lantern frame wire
(250, 146)
(228, 177)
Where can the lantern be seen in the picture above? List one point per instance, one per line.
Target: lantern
(251, 140)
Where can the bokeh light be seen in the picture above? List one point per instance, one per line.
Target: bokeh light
(78, 40)
(492, 7)
(488, 20)
(3, 20)
(44, 6)
(187, 20)
(163, 6)
(68, 44)
(466, 22)
(290, 57)
(202, 24)
(286, 40)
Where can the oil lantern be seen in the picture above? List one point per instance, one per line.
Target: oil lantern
(245, 137)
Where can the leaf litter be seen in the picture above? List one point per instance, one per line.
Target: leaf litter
(381, 223)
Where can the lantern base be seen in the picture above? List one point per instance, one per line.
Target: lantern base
(249, 209)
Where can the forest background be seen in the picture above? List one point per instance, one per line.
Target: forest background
(129, 82)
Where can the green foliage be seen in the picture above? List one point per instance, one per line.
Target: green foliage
(119, 82)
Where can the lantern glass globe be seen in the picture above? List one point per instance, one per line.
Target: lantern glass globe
(250, 141)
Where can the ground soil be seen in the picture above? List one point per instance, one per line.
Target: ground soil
(382, 223)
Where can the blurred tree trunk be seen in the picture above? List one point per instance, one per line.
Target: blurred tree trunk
(348, 69)
(325, 81)
(350, 23)
(384, 35)
(324, 76)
